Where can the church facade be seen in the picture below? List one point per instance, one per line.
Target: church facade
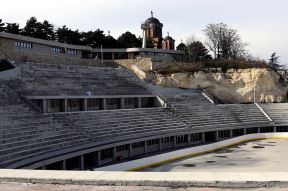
(152, 30)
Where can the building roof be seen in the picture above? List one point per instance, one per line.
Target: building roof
(153, 20)
(168, 38)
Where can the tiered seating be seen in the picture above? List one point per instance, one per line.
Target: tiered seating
(25, 134)
(195, 109)
(125, 124)
(48, 79)
(278, 112)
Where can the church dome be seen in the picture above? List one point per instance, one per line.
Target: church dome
(168, 38)
(152, 20)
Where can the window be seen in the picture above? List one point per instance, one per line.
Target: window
(122, 148)
(167, 139)
(23, 44)
(152, 142)
(58, 50)
(138, 144)
(72, 52)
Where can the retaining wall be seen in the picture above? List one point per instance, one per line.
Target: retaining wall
(182, 153)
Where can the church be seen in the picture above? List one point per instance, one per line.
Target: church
(152, 29)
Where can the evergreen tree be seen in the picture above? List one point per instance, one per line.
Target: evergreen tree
(2, 28)
(12, 28)
(197, 51)
(66, 35)
(95, 38)
(128, 40)
(274, 63)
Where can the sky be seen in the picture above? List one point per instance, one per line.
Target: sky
(263, 24)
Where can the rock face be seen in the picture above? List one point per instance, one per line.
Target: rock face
(232, 86)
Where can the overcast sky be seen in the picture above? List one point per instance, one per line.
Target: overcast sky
(262, 23)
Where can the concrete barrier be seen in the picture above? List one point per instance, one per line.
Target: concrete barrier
(183, 153)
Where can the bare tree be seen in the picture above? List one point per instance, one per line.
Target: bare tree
(224, 41)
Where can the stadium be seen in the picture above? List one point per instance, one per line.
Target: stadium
(61, 114)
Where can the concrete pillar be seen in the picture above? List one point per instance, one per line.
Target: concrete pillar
(84, 104)
(160, 144)
(82, 165)
(44, 106)
(139, 105)
(274, 129)
(145, 147)
(188, 139)
(114, 156)
(98, 158)
(203, 138)
(244, 131)
(103, 104)
(122, 103)
(174, 141)
(258, 130)
(130, 150)
(231, 133)
(64, 167)
(216, 136)
(113, 56)
(65, 105)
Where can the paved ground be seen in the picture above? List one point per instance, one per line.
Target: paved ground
(257, 156)
(51, 187)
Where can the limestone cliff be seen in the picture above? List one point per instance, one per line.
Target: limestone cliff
(233, 86)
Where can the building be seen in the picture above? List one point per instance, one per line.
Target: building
(152, 29)
(38, 50)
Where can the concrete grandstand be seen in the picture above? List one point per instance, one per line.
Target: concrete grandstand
(84, 117)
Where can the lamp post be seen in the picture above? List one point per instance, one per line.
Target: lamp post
(254, 81)
(102, 55)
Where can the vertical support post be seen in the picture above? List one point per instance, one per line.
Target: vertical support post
(203, 138)
(44, 106)
(114, 154)
(82, 165)
(65, 105)
(145, 147)
(188, 139)
(258, 130)
(175, 141)
(230, 133)
(274, 129)
(160, 144)
(139, 105)
(84, 104)
(113, 56)
(104, 103)
(98, 158)
(244, 131)
(130, 150)
(122, 103)
(216, 136)
(64, 165)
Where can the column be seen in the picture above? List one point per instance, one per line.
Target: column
(160, 144)
(274, 129)
(98, 158)
(203, 138)
(84, 104)
(103, 104)
(244, 131)
(113, 56)
(174, 141)
(145, 147)
(258, 130)
(122, 103)
(65, 105)
(82, 166)
(44, 106)
(188, 139)
(114, 154)
(231, 133)
(216, 136)
(130, 150)
(139, 102)
(64, 167)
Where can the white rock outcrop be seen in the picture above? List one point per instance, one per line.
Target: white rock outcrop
(234, 86)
